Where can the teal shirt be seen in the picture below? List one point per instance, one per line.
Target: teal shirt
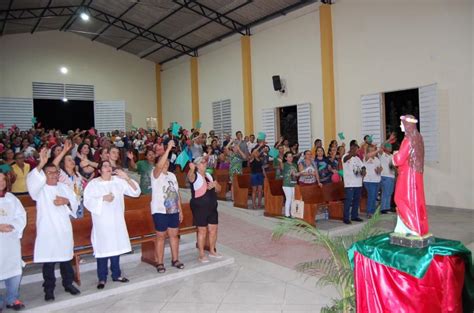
(5, 168)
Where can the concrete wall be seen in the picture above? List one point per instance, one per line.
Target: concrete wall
(392, 45)
(25, 58)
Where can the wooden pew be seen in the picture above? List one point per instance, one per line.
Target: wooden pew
(312, 196)
(241, 185)
(139, 224)
(222, 177)
(334, 196)
(142, 202)
(181, 176)
(274, 196)
(26, 200)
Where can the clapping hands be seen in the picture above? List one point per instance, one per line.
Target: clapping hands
(211, 185)
(108, 197)
(58, 201)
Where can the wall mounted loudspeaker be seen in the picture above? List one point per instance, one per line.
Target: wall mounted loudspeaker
(276, 82)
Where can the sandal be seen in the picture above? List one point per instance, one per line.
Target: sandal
(203, 260)
(121, 280)
(177, 264)
(160, 268)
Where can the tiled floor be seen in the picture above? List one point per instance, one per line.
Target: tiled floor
(261, 279)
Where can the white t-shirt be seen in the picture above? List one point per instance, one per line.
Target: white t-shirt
(28, 152)
(385, 160)
(251, 145)
(371, 165)
(164, 194)
(351, 179)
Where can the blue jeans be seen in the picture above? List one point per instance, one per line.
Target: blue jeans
(12, 286)
(102, 267)
(387, 184)
(352, 201)
(372, 189)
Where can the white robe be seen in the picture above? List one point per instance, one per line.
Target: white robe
(109, 231)
(54, 239)
(13, 213)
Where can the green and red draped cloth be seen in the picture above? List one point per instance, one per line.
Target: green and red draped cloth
(390, 278)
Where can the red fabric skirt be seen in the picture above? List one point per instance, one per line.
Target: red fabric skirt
(380, 288)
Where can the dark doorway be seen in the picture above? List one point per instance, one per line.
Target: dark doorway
(64, 115)
(287, 116)
(399, 103)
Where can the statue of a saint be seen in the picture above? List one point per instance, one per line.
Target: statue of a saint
(412, 218)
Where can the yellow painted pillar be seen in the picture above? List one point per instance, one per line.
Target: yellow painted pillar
(159, 107)
(194, 91)
(247, 84)
(327, 69)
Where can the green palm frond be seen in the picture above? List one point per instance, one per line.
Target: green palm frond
(336, 269)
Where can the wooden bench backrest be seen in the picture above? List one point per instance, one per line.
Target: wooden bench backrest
(333, 192)
(26, 200)
(311, 194)
(270, 175)
(137, 203)
(243, 181)
(187, 216)
(276, 187)
(139, 223)
(82, 228)
(221, 175)
(28, 239)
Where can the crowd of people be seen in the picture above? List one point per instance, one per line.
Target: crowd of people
(86, 169)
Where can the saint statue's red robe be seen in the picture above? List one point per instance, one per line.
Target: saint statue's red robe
(409, 191)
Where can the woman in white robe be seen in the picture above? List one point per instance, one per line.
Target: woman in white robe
(104, 198)
(55, 204)
(12, 223)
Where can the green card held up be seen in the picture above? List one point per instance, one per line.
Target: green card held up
(341, 136)
(182, 159)
(175, 129)
(261, 136)
(274, 153)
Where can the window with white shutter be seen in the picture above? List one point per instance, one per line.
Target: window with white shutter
(428, 120)
(58, 91)
(109, 115)
(428, 117)
(222, 117)
(372, 116)
(16, 111)
(268, 125)
(303, 113)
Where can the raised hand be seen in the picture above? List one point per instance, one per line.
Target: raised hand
(120, 173)
(130, 155)
(43, 156)
(171, 144)
(67, 145)
(192, 166)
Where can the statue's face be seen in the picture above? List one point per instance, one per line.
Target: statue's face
(402, 127)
